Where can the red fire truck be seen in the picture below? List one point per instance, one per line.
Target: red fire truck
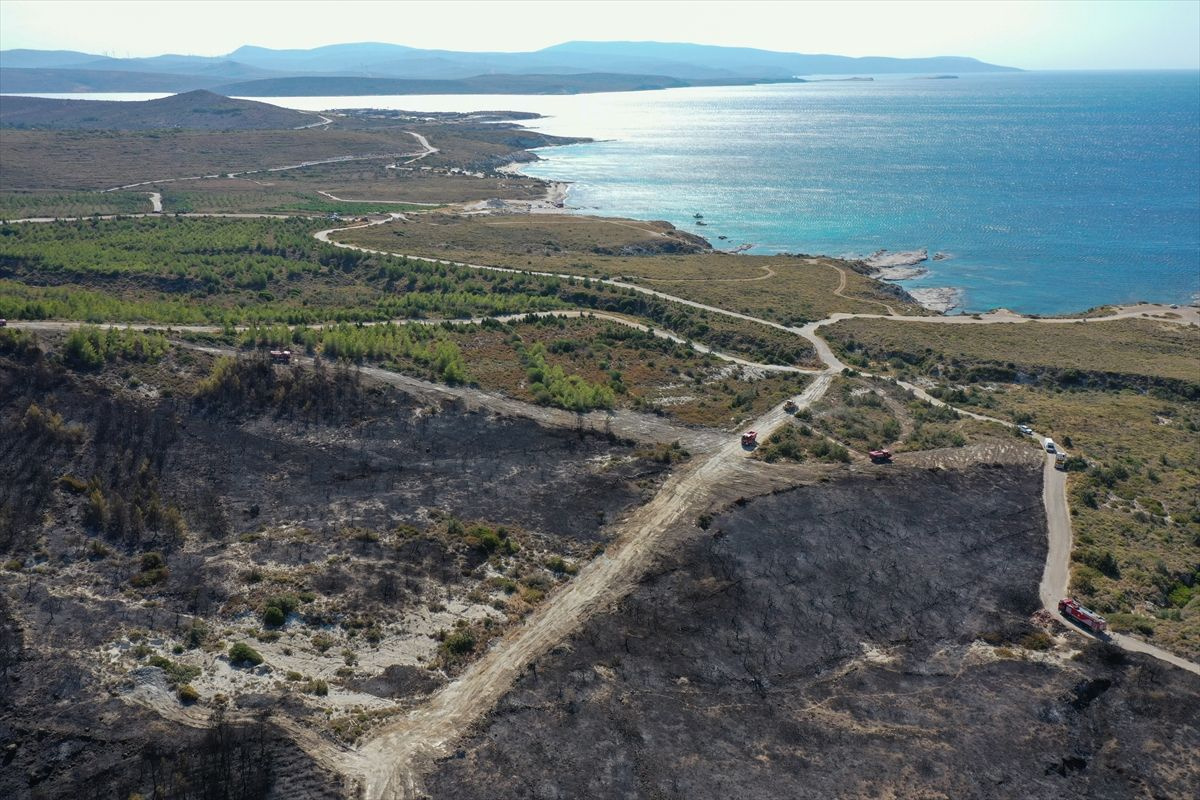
(1071, 609)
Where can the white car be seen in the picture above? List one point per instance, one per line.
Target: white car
(1025, 429)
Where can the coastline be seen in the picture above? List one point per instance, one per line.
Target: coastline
(905, 265)
(884, 266)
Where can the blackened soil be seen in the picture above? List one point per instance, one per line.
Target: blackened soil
(265, 447)
(738, 669)
(313, 448)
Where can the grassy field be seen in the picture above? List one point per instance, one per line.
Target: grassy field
(66, 162)
(786, 289)
(1130, 347)
(363, 183)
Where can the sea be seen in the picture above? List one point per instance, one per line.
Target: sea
(1045, 192)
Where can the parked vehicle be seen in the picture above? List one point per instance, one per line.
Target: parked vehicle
(1049, 444)
(791, 407)
(3, 323)
(749, 438)
(1071, 609)
(281, 356)
(1025, 429)
(881, 456)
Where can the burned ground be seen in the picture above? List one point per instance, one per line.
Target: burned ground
(308, 447)
(832, 641)
(151, 518)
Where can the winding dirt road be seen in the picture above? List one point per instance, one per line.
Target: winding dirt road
(390, 764)
(1059, 531)
(319, 124)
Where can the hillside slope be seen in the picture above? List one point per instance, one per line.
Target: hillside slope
(49, 71)
(197, 110)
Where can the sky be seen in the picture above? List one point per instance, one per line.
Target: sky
(1099, 34)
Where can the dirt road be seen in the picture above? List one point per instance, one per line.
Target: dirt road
(389, 765)
(1055, 579)
(320, 124)
(427, 150)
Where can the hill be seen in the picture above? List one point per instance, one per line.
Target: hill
(47, 71)
(583, 83)
(197, 110)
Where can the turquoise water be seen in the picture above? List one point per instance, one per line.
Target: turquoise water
(1052, 192)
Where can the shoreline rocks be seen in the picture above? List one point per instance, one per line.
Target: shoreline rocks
(883, 259)
(942, 299)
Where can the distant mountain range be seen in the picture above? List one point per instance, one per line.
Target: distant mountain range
(372, 68)
(196, 110)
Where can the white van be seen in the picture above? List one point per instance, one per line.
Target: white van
(1048, 443)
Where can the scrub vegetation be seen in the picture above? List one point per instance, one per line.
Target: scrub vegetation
(1120, 398)
(1068, 354)
(787, 289)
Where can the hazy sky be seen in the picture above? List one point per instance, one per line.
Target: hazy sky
(1143, 34)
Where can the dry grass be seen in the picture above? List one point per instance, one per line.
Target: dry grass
(786, 289)
(99, 160)
(1129, 346)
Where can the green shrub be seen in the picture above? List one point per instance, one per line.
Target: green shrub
(88, 347)
(560, 566)
(460, 643)
(1180, 595)
(197, 634)
(550, 385)
(277, 608)
(187, 694)
(242, 654)
(176, 673)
